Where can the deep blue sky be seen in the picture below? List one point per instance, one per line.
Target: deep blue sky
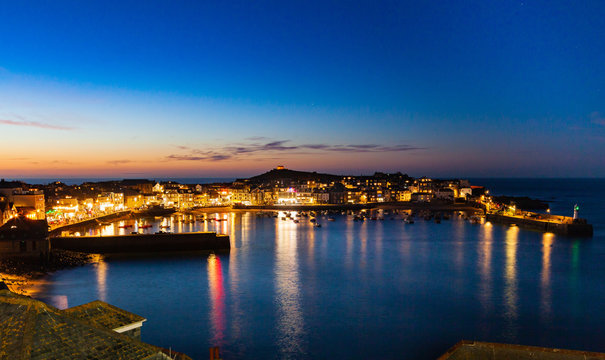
(469, 88)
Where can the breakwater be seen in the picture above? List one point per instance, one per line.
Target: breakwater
(143, 243)
(556, 227)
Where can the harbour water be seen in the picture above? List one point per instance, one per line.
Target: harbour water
(356, 290)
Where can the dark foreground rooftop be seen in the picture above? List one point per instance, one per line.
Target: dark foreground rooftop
(31, 329)
(467, 350)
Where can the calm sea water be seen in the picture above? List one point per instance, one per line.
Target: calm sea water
(378, 289)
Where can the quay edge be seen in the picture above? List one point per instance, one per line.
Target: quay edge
(143, 243)
(560, 228)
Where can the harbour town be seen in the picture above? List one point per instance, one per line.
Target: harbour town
(294, 180)
(53, 226)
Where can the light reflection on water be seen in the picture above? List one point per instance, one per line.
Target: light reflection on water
(290, 319)
(545, 286)
(510, 285)
(217, 299)
(101, 269)
(485, 268)
(348, 289)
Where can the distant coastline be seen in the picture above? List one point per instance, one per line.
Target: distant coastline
(78, 181)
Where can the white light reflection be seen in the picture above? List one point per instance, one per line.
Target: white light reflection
(545, 283)
(378, 237)
(233, 273)
(101, 269)
(510, 280)
(364, 244)
(349, 248)
(290, 319)
(484, 262)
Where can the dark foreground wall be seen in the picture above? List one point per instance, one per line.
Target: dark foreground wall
(143, 243)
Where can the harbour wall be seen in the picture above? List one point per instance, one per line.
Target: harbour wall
(142, 243)
(561, 228)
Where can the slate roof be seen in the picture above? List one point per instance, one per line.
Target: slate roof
(30, 329)
(468, 350)
(104, 315)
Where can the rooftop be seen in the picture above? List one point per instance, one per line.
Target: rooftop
(105, 315)
(30, 329)
(466, 350)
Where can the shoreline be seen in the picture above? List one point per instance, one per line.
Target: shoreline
(26, 275)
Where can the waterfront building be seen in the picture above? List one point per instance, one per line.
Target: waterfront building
(240, 195)
(158, 188)
(466, 192)
(21, 236)
(151, 199)
(337, 194)
(171, 198)
(400, 194)
(423, 185)
(141, 185)
(7, 210)
(445, 194)
(134, 201)
(7, 188)
(29, 203)
(185, 199)
(355, 196)
(200, 199)
(421, 197)
(321, 196)
(109, 201)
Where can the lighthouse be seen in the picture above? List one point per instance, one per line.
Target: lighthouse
(576, 208)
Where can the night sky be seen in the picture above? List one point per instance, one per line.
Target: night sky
(228, 88)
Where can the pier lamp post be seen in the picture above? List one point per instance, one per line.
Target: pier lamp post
(576, 208)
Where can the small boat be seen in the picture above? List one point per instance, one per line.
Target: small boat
(318, 225)
(331, 219)
(146, 226)
(296, 221)
(125, 226)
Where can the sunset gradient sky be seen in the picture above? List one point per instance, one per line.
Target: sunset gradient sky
(230, 89)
